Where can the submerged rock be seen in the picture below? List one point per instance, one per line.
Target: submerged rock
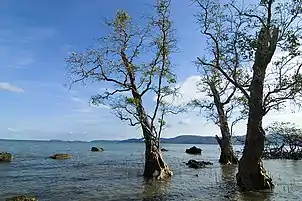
(163, 149)
(22, 198)
(61, 156)
(6, 157)
(197, 164)
(193, 150)
(96, 149)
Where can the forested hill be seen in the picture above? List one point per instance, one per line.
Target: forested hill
(191, 139)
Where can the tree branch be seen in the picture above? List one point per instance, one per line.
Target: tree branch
(236, 84)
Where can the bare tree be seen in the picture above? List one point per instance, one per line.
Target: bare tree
(265, 29)
(220, 110)
(134, 63)
(222, 52)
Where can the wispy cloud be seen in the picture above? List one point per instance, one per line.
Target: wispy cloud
(5, 86)
(12, 130)
(188, 90)
(84, 106)
(78, 100)
(185, 121)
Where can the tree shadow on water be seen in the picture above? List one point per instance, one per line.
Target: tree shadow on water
(231, 191)
(155, 190)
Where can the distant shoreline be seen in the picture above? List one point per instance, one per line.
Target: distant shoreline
(181, 139)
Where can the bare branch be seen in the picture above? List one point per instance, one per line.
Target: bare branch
(228, 78)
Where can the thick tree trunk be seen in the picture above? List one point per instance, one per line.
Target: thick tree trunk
(227, 155)
(155, 166)
(251, 174)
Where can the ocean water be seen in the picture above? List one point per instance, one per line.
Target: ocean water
(116, 174)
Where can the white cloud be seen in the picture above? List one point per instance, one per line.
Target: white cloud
(185, 121)
(99, 106)
(188, 91)
(190, 123)
(76, 99)
(12, 130)
(5, 86)
(84, 106)
(24, 62)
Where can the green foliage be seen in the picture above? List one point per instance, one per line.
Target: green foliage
(134, 62)
(122, 18)
(162, 122)
(132, 101)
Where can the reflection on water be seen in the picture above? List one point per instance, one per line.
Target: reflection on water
(155, 190)
(227, 182)
(233, 192)
(116, 174)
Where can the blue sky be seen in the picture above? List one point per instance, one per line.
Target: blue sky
(36, 36)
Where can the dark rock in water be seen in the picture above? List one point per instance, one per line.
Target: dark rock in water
(61, 156)
(197, 164)
(163, 149)
(193, 150)
(6, 157)
(22, 198)
(96, 149)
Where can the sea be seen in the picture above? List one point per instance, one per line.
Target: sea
(116, 174)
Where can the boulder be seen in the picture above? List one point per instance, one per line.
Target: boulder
(197, 164)
(163, 149)
(193, 150)
(96, 149)
(22, 198)
(61, 156)
(6, 157)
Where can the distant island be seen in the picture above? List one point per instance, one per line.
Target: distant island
(190, 139)
(181, 139)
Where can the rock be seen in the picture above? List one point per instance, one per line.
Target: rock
(96, 149)
(61, 156)
(163, 149)
(22, 198)
(193, 150)
(197, 164)
(207, 162)
(6, 157)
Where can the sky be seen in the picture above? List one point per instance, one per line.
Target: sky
(35, 38)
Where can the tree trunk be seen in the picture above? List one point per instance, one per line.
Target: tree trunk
(227, 155)
(155, 166)
(251, 174)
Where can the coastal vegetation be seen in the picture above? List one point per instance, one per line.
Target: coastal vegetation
(264, 38)
(135, 63)
(251, 66)
(284, 142)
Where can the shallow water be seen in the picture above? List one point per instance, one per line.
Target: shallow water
(116, 174)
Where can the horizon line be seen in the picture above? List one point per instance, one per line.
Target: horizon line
(116, 140)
